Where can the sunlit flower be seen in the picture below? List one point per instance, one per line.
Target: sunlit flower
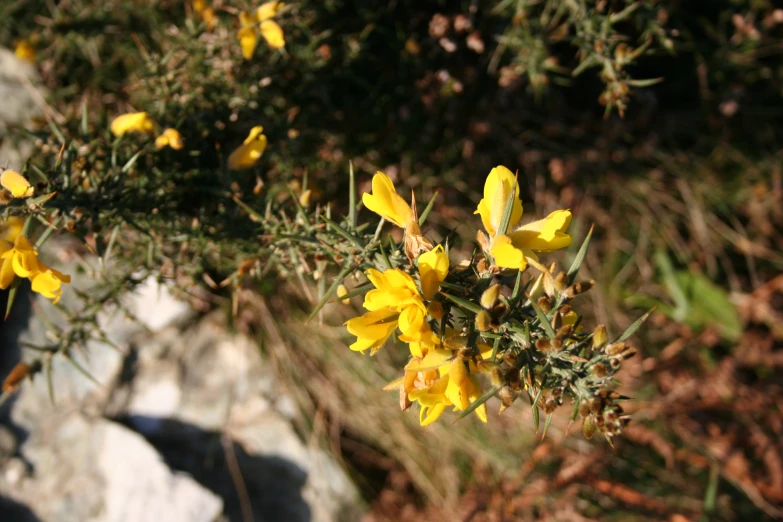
(432, 401)
(515, 248)
(249, 153)
(497, 190)
(25, 51)
(394, 302)
(433, 268)
(270, 30)
(385, 201)
(372, 329)
(48, 282)
(545, 234)
(169, 138)
(16, 184)
(132, 122)
(206, 13)
(11, 228)
(247, 35)
(20, 260)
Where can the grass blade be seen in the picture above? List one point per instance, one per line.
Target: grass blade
(635, 326)
(542, 318)
(427, 209)
(580, 257)
(351, 196)
(331, 291)
(462, 303)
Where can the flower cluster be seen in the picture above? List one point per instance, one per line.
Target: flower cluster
(141, 123)
(477, 329)
(251, 27)
(18, 257)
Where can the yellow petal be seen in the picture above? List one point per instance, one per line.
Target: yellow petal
(248, 37)
(385, 201)
(273, 34)
(16, 184)
(25, 51)
(209, 17)
(433, 268)
(545, 234)
(432, 361)
(48, 283)
(132, 122)
(506, 255)
(372, 329)
(497, 190)
(10, 230)
(428, 415)
(268, 10)
(169, 138)
(249, 153)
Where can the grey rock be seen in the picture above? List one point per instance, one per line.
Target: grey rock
(22, 95)
(99, 471)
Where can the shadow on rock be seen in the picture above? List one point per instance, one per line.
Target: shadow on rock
(10, 329)
(15, 512)
(271, 485)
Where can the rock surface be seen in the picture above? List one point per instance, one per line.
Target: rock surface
(188, 425)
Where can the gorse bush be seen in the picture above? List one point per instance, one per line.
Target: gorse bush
(228, 148)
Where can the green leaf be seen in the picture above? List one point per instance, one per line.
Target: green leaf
(351, 196)
(536, 413)
(131, 162)
(478, 402)
(710, 305)
(330, 292)
(580, 257)
(12, 291)
(508, 209)
(635, 326)
(547, 422)
(427, 209)
(672, 285)
(463, 303)
(342, 232)
(542, 318)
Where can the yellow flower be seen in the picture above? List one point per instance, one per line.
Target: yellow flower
(132, 122)
(545, 234)
(207, 13)
(372, 329)
(169, 138)
(395, 301)
(433, 268)
(267, 10)
(497, 190)
(249, 153)
(273, 34)
(11, 228)
(393, 289)
(432, 401)
(48, 282)
(16, 184)
(20, 260)
(513, 248)
(385, 201)
(247, 35)
(270, 30)
(25, 51)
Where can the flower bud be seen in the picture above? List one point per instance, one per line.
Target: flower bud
(483, 321)
(588, 427)
(600, 337)
(496, 377)
(584, 409)
(543, 345)
(599, 370)
(341, 293)
(578, 288)
(545, 303)
(17, 375)
(490, 296)
(435, 310)
(550, 405)
(615, 348)
(511, 357)
(560, 281)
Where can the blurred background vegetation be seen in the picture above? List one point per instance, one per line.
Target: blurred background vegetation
(657, 121)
